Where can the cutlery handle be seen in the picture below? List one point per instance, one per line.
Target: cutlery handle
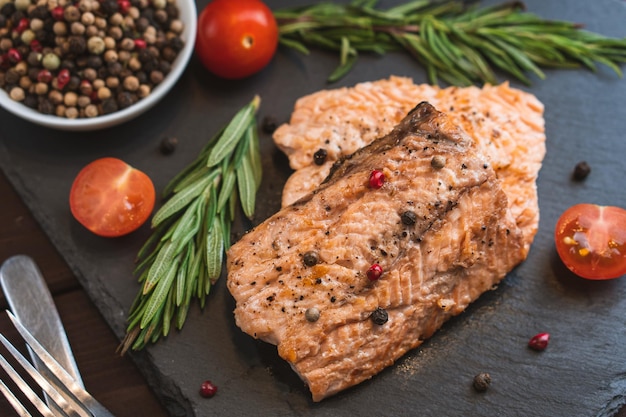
(31, 302)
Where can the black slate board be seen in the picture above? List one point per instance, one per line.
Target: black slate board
(582, 373)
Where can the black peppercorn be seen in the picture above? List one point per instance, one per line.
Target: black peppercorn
(581, 171)
(8, 9)
(168, 145)
(33, 59)
(172, 10)
(31, 101)
(73, 83)
(109, 7)
(141, 77)
(12, 76)
(39, 12)
(115, 68)
(269, 124)
(45, 106)
(125, 99)
(379, 316)
(109, 106)
(482, 381)
(408, 218)
(319, 157)
(165, 67)
(94, 61)
(77, 45)
(310, 258)
(176, 43)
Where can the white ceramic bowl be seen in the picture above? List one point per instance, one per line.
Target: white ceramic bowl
(188, 15)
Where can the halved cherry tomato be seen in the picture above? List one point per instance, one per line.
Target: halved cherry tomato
(236, 38)
(591, 240)
(111, 198)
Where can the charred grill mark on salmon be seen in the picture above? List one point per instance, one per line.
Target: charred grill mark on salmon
(458, 242)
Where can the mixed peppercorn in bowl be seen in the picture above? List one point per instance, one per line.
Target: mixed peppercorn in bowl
(91, 64)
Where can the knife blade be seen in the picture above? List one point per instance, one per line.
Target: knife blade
(31, 302)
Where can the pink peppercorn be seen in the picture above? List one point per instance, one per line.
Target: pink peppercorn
(539, 341)
(377, 179)
(124, 6)
(208, 389)
(63, 78)
(36, 46)
(58, 13)
(14, 55)
(44, 76)
(22, 25)
(140, 44)
(374, 272)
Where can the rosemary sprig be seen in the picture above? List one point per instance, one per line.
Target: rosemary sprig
(458, 43)
(183, 257)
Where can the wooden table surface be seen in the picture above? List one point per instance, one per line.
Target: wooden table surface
(112, 379)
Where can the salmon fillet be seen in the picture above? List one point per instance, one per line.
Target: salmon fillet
(442, 232)
(507, 125)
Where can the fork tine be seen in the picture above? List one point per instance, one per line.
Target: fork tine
(66, 379)
(72, 409)
(23, 386)
(12, 399)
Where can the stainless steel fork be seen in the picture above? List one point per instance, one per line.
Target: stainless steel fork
(71, 398)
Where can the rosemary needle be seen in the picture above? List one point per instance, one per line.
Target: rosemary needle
(183, 257)
(455, 42)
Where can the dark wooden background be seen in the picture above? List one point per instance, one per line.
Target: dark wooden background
(112, 379)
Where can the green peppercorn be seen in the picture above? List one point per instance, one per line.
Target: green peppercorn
(96, 45)
(27, 36)
(438, 162)
(22, 4)
(51, 61)
(312, 314)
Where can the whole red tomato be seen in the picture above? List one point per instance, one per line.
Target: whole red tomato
(236, 38)
(111, 198)
(591, 240)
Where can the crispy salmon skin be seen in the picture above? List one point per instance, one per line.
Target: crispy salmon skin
(442, 233)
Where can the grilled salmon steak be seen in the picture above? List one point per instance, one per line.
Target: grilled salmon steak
(506, 123)
(353, 275)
